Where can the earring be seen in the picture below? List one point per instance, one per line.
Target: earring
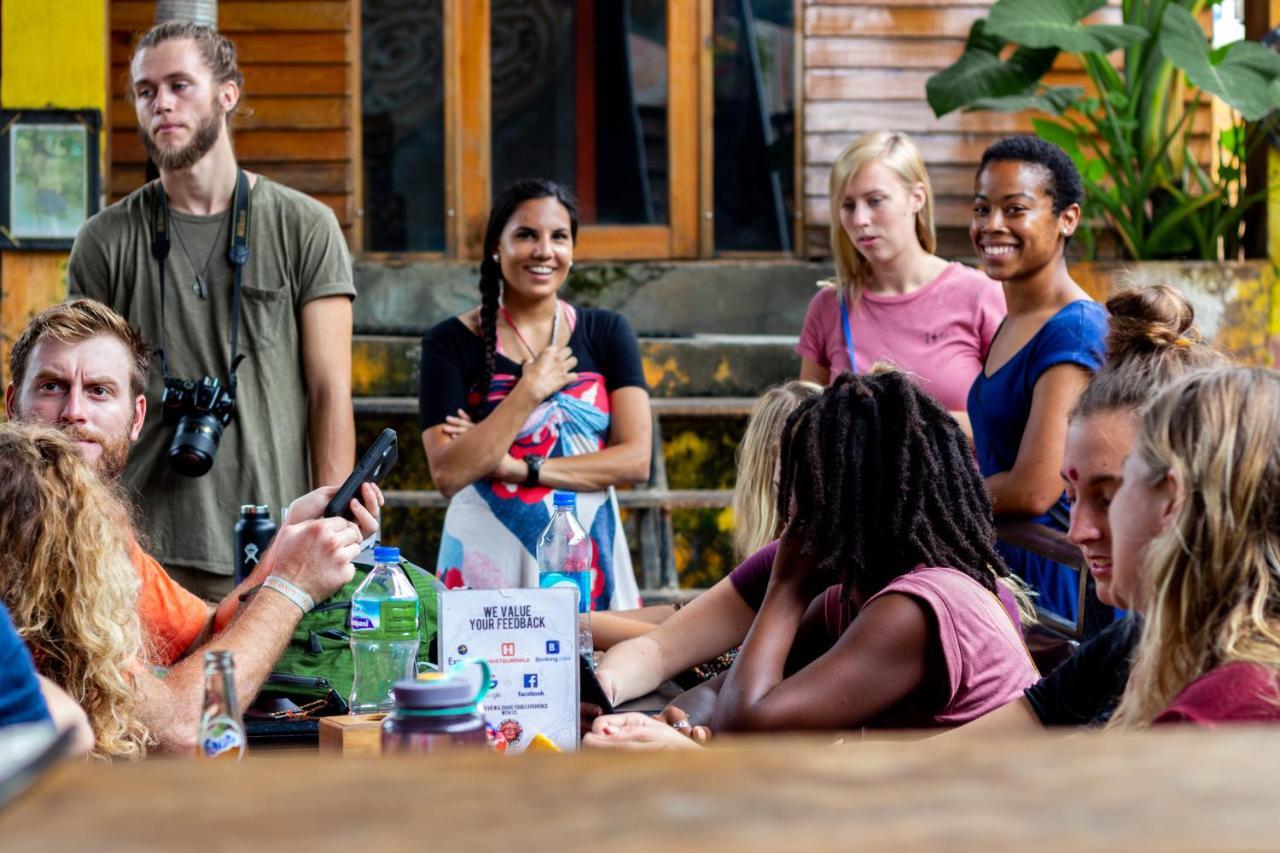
(570, 264)
(495, 257)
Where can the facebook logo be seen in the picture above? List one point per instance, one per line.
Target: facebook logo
(553, 647)
(531, 679)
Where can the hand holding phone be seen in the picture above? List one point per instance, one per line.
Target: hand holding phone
(379, 459)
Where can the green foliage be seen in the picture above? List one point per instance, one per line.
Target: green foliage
(1132, 138)
(981, 73)
(1240, 73)
(1056, 24)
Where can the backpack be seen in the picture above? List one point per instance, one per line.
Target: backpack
(317, 662)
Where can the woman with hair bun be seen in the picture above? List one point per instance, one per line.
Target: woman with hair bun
(528, 394)
(1026, 207)
(1152, 342)
(894, 299)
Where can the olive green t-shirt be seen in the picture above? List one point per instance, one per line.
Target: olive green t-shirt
(296, 254)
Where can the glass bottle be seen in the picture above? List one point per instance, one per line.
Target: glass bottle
(221, 725)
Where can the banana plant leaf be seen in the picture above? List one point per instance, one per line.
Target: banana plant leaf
(981, 73)
(1054, 100)
(1243, 74)
(1056, 24)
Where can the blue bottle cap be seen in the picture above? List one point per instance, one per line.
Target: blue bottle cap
(386, 554)
(565, 499)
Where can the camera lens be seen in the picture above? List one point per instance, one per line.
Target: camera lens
(195, 441)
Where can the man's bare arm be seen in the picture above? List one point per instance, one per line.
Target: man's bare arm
(366, 508)
(326, 369)
(315, 556)
(171, 706)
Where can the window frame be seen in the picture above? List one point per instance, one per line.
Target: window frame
(689, 233)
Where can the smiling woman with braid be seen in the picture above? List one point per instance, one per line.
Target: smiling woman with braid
(886, 503)
(526, 394)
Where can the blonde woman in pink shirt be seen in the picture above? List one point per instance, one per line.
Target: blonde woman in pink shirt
(893, 299)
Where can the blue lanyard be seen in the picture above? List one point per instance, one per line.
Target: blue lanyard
(848, 334)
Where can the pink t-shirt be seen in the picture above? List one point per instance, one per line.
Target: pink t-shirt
(988, 665)
(940, 333)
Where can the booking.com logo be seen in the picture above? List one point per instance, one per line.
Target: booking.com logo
(553, 647)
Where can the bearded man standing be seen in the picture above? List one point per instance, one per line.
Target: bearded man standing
(292, 424)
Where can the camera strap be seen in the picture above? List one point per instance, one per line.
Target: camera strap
(237, 254)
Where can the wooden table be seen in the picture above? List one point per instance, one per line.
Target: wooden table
(1173, 790)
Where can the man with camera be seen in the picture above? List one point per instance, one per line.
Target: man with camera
(80, 367)
(246, 286)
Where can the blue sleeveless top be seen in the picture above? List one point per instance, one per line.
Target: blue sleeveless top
(999, 406)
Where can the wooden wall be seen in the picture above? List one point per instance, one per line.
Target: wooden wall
(865, 67)
(52, 57)
(301, 92)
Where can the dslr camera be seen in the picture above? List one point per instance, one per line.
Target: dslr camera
(200, 409)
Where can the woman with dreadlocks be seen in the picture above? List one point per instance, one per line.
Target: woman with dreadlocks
(526, 394)
(881, 497)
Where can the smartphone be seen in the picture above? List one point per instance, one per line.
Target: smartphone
(589, 688)
(373, 466)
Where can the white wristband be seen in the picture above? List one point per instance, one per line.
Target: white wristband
(291, 592)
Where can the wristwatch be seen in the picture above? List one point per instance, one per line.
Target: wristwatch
(534, 461)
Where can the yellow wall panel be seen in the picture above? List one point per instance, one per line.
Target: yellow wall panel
(54, 54)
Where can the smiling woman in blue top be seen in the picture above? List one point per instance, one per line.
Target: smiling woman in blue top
(1026, 207)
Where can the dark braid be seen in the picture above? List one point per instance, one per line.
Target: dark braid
(490, 287)
(885, 480)
(504, 206)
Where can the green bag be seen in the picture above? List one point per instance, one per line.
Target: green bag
(318, 656)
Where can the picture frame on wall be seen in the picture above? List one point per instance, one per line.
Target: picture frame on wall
(50, 176)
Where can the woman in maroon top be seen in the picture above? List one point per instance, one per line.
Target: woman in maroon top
(1196, 549)
(883, 498)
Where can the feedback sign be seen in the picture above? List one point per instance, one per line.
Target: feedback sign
(529, 637)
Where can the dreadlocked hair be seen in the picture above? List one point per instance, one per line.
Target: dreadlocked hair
(504, 206)
(884, 480)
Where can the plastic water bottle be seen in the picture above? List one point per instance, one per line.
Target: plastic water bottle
(384, 633)
(564, 559)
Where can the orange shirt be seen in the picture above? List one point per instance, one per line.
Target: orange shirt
(171, 617)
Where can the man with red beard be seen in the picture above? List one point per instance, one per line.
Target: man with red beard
(80, 367)
(292, 425)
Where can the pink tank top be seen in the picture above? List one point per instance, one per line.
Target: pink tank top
(987, 662)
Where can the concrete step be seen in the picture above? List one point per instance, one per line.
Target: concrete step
(711, 297)
(694, 366)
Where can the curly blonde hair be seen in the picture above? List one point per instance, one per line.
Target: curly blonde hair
(1210, 589)
(66, 577)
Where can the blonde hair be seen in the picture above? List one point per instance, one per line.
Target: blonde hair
(1211, 582)
(66, 577)
(755, 507)
(898, 153)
